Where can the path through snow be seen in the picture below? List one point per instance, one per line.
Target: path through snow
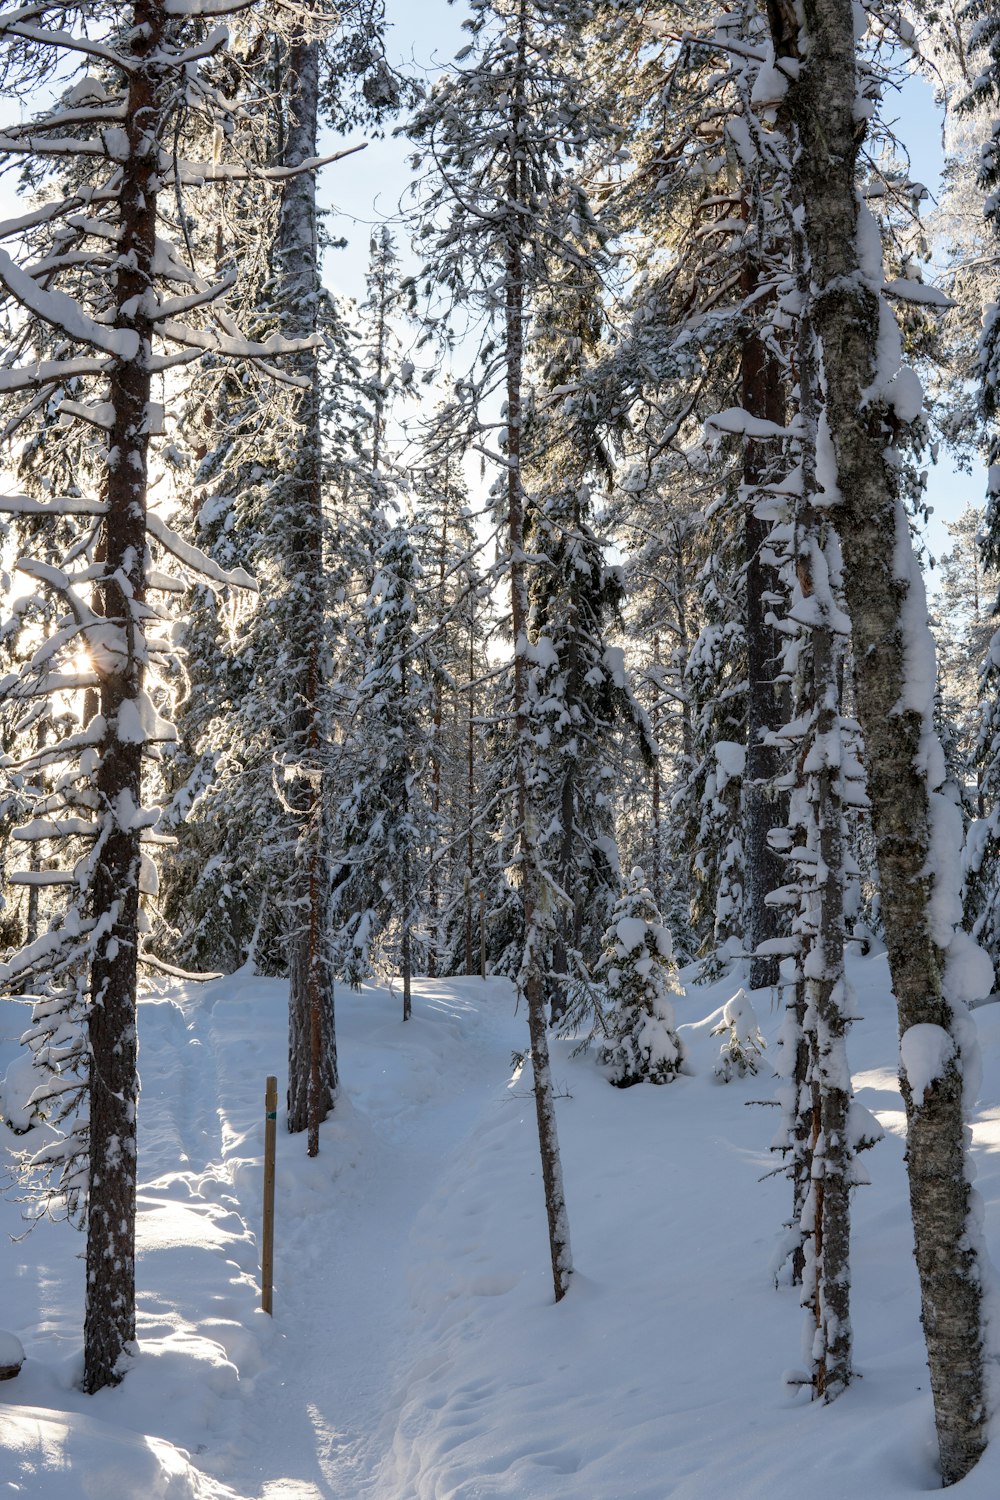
(323, 1411)
(415, 1352)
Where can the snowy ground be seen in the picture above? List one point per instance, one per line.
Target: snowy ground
(415, 1353)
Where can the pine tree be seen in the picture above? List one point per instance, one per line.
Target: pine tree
(824, 1128)
(640, 977)
(312, 1049)
(447, 548)
(588, 719)
(123, 317)
(963, 610)
(252, 872)
(662, 532)
(709, 341)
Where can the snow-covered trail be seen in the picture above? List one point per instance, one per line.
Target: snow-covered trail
(323, 1404)
(415, 1352)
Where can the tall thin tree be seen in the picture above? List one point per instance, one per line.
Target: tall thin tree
(935, 967)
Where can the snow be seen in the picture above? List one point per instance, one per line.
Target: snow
(908, 290)
(61, 312)
(740, 423)
(544, 654)
(731, 759)
(631, 933)
(16, 1088)
(139, 723)
(770, 86)
(198, 563)
(11, 1349)
(968, 972)
(906, 394)
(415, 1352)
(925, 1051)
(130, 730)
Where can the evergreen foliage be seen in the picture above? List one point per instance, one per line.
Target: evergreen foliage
(639, 977)
(382, 827)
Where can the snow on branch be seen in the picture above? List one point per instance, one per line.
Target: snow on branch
(56, 828)
(62, 505)
(56, 210)
(211, 342)
(60, 750)
(203, 9)
(908, 290)
(49, 372)
(197, 174)
(111, 113)
(59, 580)
(12, 26)
(62, 941)
(740, 423)
(216, 40)
(162, 967)
(64, 313)
(196, 560)
(101, 414)
(63, 145)
(198, 298)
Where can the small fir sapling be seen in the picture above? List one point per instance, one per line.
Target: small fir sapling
(640, 977)
(742, 1042)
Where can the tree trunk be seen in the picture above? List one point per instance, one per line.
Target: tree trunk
(312, 1050)
(470, 792)
(109, 1320)
(656, 873)
(831, 1155)
(406, 943)
(532, 979)
(762, 382)
(437, 755)
(37, 845)
(904, 760)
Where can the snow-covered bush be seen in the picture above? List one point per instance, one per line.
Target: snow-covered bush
(742, 1042)
(639, 977)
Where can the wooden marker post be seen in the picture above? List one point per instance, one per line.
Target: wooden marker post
(267, 1239)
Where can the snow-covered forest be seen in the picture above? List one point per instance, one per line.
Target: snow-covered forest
(482, 702)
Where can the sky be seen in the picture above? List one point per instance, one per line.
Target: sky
(367, 189)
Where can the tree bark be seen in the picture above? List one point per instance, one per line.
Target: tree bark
(109, 1319)
(831, 1155)
(312, 1049)
(885, 599)
(762, 382)
(470, 792)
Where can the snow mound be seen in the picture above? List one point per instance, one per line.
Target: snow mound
(72, 1457)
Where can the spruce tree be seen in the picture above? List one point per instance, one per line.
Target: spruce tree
(639, 977)
(383, 825)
